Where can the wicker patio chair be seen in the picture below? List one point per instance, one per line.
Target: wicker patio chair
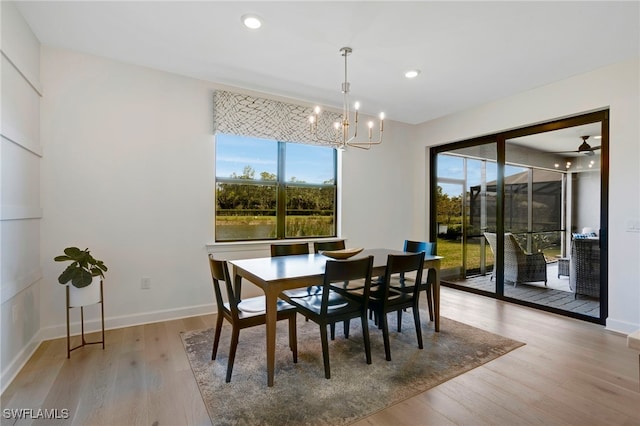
(519, 266)
(584, 267)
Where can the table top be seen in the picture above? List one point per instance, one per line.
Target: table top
(307, 265)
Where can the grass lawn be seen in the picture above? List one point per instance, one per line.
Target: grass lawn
(452, 253)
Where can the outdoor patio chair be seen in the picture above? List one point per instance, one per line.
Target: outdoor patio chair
(584, 274)
(519, 266)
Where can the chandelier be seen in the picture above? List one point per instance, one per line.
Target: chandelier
(341, 129)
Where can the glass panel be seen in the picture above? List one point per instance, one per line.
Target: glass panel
(245, 212)
(310, 164)
(560, 194)
(466, 209)
(246, 158)
(310, 211)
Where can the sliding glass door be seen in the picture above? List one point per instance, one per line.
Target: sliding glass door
(522, 215)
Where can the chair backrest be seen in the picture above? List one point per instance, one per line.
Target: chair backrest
(220, 273)
(514, 255)
(288, 249)
(328, 245)
(401, 264)
(347, 270)
(418, 246)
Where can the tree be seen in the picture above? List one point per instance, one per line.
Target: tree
(447, 207)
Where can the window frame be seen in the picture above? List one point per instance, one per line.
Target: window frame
(281, 185)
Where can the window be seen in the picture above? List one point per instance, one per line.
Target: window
(267, 189)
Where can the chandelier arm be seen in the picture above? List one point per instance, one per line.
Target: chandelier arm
(344, 125)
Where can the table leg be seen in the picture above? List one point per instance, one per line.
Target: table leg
(271, 296)
(436, 300)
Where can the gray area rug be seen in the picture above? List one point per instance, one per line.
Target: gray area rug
(302, 396)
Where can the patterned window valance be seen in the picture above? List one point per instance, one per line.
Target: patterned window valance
(245, 115)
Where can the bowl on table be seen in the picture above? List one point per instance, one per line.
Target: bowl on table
(341, 254)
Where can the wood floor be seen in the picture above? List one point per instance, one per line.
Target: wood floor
(568, 373)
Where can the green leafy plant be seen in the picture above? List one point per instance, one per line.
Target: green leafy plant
(82, 269)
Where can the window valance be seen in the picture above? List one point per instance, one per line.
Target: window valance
(245, 115)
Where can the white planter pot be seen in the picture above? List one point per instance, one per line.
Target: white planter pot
(86, 295)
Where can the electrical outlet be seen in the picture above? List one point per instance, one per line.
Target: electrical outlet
(145, 284)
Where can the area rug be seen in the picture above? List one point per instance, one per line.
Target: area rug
(302, 396)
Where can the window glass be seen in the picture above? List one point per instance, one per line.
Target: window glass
(245, 158)
(309, 163)
(254, 202)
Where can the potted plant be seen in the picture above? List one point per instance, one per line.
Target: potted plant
(84, 274)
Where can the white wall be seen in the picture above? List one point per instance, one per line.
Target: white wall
(129, 173)
(586, 199)
(20, 154)
(616, 87)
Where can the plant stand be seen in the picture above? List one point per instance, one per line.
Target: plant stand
(84, 342)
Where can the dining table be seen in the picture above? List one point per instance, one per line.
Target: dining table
(276, 274)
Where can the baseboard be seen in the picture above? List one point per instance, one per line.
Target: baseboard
(58, 331)
(18, 362)
(93, 325)
(622, 327)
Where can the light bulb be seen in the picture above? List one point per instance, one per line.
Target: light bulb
(356, 106)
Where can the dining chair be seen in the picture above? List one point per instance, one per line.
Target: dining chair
(289, 249)
(385, 297)
(330, 307)
(249, 312)
(429, 249)
(328, 245)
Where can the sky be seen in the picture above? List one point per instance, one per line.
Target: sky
(308, 163)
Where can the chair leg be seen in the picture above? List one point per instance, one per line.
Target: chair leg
(346, 324)
(332, 327)
(399, 320)
(430, 302)
(365, 334)
(235, 334)
(385, 335)
(216, 336)
(325, 351)
(293, 338)
(416, 319)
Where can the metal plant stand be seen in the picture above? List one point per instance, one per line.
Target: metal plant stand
(84, 342)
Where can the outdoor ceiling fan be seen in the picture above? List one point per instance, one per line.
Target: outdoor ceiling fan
(584, 147)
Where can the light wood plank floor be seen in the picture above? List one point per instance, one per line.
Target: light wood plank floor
(568, 373)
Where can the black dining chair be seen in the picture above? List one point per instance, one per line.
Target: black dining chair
(329, 307)
(249, 312)
(338, 245)
(385, 298)
(429, 249)
(328, 245)
(289, 249)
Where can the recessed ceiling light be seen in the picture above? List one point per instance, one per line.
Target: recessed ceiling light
(251, 21)
(412, 73)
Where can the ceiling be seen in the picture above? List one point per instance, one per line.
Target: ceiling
(469, 53)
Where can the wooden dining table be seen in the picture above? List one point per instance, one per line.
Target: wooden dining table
(276, 274)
